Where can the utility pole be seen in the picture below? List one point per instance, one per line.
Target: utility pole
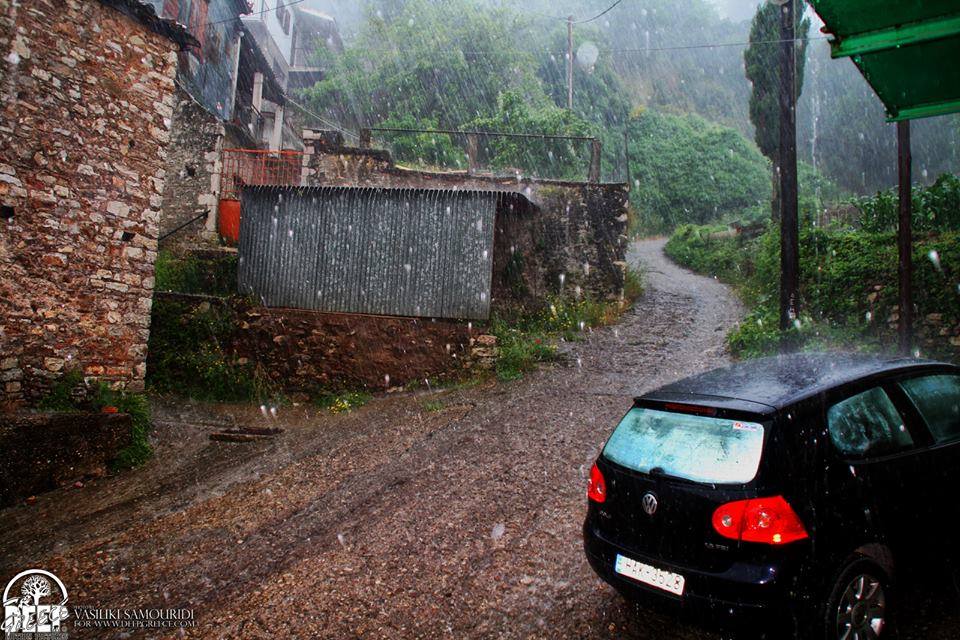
(626, 150)
(789, 223)
(905, 237)
(570, 62)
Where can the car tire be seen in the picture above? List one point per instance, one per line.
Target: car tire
(858, 604)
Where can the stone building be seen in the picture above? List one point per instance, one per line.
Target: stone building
(86, 100)
(229, 95)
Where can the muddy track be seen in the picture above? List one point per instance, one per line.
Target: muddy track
(393, 521)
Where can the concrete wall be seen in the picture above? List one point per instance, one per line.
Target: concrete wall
(86, 97)
(576, 229)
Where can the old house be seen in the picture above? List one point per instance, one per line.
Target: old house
(222, 85)
(85, 114)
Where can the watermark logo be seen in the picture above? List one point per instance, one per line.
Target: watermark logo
(34, 605)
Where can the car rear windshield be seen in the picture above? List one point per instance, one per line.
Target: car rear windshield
(692, 447)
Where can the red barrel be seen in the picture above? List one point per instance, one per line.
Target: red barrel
(228, 221)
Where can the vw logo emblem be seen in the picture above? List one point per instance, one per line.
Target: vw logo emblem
(649, 503)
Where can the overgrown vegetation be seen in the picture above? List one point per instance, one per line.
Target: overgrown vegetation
(848, 278)
(72, 394)
(187, 354)
(190, 273)
(935, 208)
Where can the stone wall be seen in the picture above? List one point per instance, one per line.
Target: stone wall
(193, 169)
(306, 351)
(87, 97)
(573, 240)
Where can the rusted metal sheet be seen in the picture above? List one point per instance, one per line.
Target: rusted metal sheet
(398, 252)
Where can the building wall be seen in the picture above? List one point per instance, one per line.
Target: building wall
(193, 165)
(86, 97)
(577, 230)
(266, 11)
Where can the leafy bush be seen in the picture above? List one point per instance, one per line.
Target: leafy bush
(422, 149)
(935, 208)
(567, 159)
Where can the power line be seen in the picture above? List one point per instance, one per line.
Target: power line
(256, 13)
(558, 53)
(320, 118)
(713, 45)
(599, 15)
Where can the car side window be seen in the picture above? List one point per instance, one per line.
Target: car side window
(867, 424)
(937, 398)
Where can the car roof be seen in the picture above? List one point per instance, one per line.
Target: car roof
(777, 382)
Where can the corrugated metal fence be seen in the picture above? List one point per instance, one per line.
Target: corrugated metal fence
(402, 252)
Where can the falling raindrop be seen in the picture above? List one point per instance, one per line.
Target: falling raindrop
(273, 411)
(935, 259)
(263, 410)
(386, 380)
(498, 530)
(869, 316)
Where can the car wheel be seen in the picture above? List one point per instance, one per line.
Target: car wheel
(859, 604)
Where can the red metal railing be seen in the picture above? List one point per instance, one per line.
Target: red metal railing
(256, 167)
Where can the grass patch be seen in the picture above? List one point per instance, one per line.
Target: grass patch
(525, 340)
(187, 354)
(72, 394)
(433, 406)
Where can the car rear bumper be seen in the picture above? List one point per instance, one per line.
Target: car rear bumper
(744, 593)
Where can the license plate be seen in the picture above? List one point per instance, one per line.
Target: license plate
(666, 580)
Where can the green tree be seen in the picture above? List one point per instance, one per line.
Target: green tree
(762, 66)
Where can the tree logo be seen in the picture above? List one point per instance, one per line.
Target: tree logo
(23, 611)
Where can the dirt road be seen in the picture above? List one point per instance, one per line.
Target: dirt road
(436, 514)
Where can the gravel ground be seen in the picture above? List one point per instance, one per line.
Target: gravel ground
(393, 521)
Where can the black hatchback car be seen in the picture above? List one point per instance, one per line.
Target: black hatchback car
(794, 488)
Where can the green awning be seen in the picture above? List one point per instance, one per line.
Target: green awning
(908, 50)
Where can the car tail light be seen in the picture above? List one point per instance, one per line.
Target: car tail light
(597, 486)
(766, 520)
